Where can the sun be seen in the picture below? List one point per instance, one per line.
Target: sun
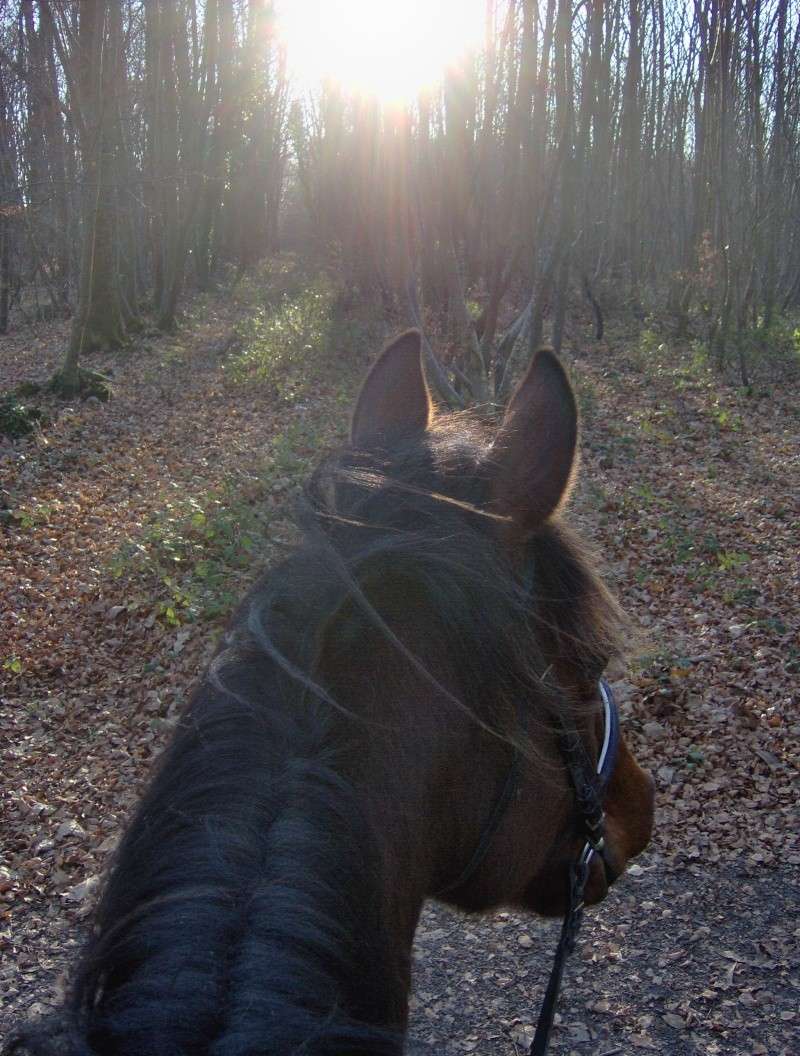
(390, 50)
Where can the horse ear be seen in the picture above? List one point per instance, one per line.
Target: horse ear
(394, 401)
(534, 453)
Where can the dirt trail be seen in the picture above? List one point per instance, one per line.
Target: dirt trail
(693, 498)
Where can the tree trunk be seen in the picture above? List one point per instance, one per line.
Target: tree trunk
(776, 167)
(98, 321)
(166, 120)
(10, 199)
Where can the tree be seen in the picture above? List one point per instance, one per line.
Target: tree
(93, 69)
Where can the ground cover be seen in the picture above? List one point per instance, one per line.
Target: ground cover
(128, 528)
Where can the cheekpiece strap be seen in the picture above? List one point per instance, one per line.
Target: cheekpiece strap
(590, 783)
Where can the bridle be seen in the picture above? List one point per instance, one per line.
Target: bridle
(589, 784)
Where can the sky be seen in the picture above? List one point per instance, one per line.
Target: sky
(382, 48)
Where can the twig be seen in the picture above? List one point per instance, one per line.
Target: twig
(438, 376)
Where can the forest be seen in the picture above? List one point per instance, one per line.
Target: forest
(213, 214)
(642, 156)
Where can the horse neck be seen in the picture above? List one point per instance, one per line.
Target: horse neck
(406, 757)
(257, 883)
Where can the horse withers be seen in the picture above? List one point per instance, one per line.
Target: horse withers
(385, 721)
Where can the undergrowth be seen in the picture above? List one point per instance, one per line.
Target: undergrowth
(190, 561)
(281, 343)
(18, 418)
(195, 552)
(194, 555)
(187, 553)
(767, 352)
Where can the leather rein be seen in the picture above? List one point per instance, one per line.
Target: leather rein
(589, 783)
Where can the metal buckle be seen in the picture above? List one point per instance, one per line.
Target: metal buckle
(595, 833)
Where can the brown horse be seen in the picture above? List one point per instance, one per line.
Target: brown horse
(398, 711)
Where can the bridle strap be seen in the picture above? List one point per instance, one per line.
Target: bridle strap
(489, 829)
(590, 784)
(578, 875)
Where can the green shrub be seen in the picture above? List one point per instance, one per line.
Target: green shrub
(778, 345)
(190, 552)
(17, 418)
(191, 558)
(281, 345)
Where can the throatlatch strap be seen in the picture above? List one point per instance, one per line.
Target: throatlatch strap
(489, 829)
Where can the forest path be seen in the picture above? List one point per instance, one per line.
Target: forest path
(680, 961)
(691, 491)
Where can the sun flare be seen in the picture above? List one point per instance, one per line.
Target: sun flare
(380, 48)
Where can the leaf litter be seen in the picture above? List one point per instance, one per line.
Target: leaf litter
(696, 951)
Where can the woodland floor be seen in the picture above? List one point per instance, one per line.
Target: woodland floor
(118, 521)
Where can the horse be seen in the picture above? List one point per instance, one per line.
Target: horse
(384, 721)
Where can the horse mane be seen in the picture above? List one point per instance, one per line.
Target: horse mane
(250, 816)
(220, 914)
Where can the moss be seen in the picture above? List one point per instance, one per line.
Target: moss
(83, 383)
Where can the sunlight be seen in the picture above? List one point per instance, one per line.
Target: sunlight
(391, 51)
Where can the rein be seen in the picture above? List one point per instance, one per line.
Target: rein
(589, 783)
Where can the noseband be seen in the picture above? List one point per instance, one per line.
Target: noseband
(589, 783)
